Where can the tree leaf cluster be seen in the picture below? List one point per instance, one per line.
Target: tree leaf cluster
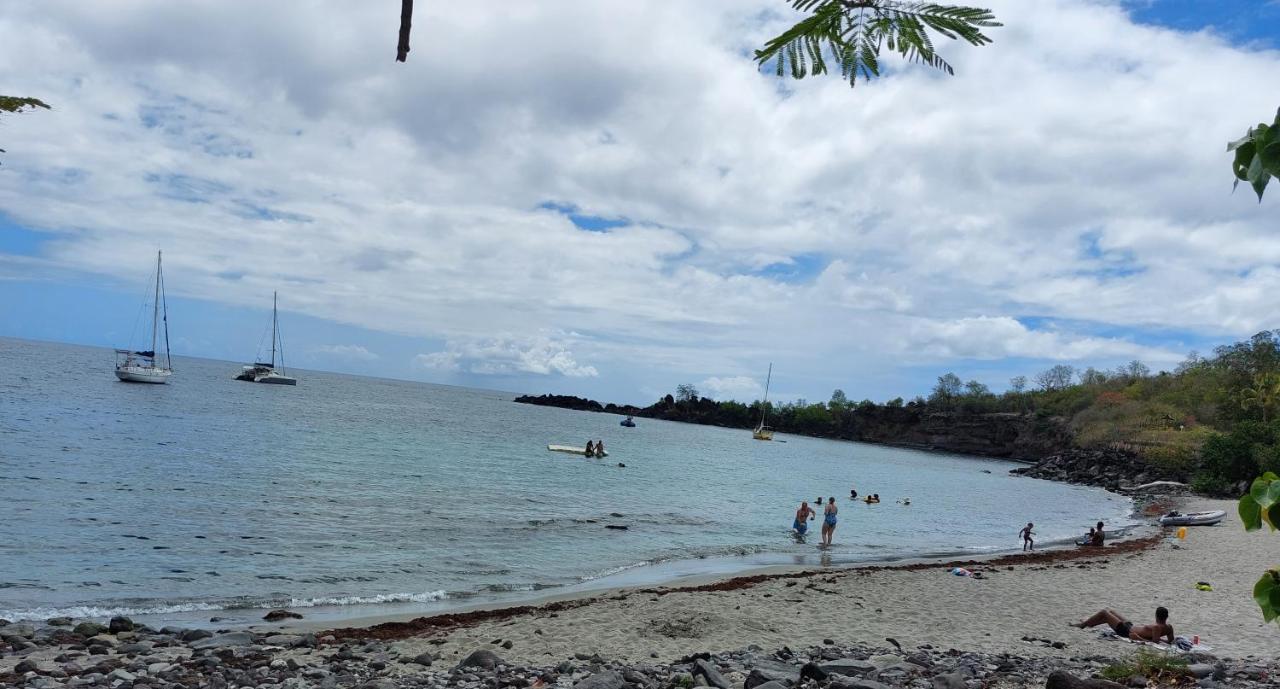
(849, 35)
(1257, 156)
(1261, 505)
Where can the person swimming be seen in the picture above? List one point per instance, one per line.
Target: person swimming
(853, 494)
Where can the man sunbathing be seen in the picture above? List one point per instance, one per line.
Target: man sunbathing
(1157, 632)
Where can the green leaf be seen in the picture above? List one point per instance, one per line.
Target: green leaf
(1258, 490)
(1272, 516)
(1271, 497)
(1250, 513)
(1263, 595)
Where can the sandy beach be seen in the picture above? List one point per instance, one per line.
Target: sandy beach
(926, 605)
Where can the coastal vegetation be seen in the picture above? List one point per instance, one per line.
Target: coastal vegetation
(1212, 420)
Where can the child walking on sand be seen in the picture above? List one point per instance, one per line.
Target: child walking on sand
(1026, 533)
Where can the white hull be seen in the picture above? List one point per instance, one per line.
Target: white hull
(1193, 518)
(143, 374)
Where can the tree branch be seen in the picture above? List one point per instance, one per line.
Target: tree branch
(406, 20)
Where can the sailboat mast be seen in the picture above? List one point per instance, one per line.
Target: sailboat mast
(155, 309)
(164, 314)
(764, 406)
(273, 329)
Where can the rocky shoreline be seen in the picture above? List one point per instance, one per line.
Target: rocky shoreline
(1113, 469)
(123, 655)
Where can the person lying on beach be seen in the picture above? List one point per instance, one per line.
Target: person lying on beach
(803, 515)
(1157, 633)
(1026, 533)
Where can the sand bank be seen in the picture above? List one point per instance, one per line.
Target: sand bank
(1017, 599)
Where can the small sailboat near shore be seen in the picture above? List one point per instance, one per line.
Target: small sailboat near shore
(141, 366)
(260, 372)
(763, 432)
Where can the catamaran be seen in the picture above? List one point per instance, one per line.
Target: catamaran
(260, 372)
(141, 366)
(763, 432)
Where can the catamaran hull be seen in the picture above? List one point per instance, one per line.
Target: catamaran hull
(277, 380)
(143, 375)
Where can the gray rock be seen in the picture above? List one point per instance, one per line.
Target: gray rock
(423, 659)
(195, 635)
(119, 624)
(122, 675)
(1201, 669)
(483, 658)
(760, 676)
(608, 679)
(813, 671)
(224, 640)
(24, 666)
(709, 672)
(58, 621)
(848, 667)
(861, 684)
(1059, 679)
(24, 631)
(285, 640)
(885, 660)
(379, 684)
(281, 614)
(157, 668)
(138, 647)
(951, 680)
(87, 629)
(771, 685)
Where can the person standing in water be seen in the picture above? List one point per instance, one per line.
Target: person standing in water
(599, 448)
(803, 515)
(591, 449)
(829, 521)
(1026, 533)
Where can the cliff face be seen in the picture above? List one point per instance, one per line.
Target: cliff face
(1004, 435)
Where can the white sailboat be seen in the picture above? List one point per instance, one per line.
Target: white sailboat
(260, 372)
(763, 432)
(141, 366)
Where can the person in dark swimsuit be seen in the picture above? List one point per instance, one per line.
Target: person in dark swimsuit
(1160, 632)
(591, 449)
(1026, 533)
(1099, 538)
(853, 494)
(829, 521)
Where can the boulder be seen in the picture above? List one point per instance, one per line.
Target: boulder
(119, 624)
(483, 658)
(771, 685)
(24, 631)
(1059, 679)
(224, 641)
(58, 621)
(1201, 670)
(761, 676)
(88, 629)
(195, 635)
(281, 614)
(24, 666)
(609, 679)
(813, 671)
(709, 672)
(848, 666)
(951, 680)
(860, 684)
(423, 659)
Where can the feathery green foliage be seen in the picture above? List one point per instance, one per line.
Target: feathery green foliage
(16, 104)
(850, 34)
(1257, 157)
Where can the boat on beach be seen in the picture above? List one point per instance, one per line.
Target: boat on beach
(763, 432)
(260, 372)
(574, 450)
(1193, 518)
(140, 366)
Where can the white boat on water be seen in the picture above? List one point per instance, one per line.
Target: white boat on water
(260, 372)
(140, 366)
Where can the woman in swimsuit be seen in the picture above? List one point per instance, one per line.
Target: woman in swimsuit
(591, 449)
(829, 521)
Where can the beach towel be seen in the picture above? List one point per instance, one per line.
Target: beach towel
(1181, 644)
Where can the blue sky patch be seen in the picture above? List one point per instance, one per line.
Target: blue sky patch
(590, 223)
(186, 187)
(1250, 21)
(17, 240)
(801, 268)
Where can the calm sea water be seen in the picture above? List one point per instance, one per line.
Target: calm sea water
(356, 496)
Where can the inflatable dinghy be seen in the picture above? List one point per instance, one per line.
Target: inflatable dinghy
(1192, 518)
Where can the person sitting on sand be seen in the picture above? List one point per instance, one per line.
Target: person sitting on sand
(1026, 533)
(1087, 539)
(803, 516)
(1098, 538)
(1160, 632)
(591, 449)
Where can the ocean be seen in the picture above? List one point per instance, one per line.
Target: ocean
(348, 496)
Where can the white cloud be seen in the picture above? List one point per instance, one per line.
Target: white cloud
(1073, 171)
(352, 352)
(538, 355)
(741, 388)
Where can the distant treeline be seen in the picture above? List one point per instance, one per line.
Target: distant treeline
(1212, 419)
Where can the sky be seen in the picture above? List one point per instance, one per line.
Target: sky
(607, 198)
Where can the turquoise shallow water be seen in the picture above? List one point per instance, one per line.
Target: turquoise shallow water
(357, 496)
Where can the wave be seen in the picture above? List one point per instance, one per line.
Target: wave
(178, 607)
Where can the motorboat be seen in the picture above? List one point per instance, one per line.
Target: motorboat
(627, 423)
(1193, 518)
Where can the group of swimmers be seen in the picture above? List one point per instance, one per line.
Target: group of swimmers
(595, 449)
(829, 511)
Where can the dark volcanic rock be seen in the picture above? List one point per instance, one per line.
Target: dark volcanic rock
(281, 614)
(87, 629)
(711, 674)
(608, 679)
(1109, 468)
(120, 624)
(1059, 679)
